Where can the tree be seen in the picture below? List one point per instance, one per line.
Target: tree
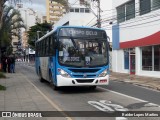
(2, 6)
(43, 28)
(13, 22)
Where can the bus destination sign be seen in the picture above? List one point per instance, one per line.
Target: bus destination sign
(81, 32)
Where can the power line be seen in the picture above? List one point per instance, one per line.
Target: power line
(114, 17)
(137, 11)
(131, 26)
(90, 21)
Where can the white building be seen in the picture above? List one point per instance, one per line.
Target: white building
(78, 15)
(136, 37)
(81, 15)
(30, 17)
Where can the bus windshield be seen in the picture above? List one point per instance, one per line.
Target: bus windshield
(82, 52)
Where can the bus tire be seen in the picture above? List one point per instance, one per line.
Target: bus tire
(40, 76)
(52, 82)
(93, 87)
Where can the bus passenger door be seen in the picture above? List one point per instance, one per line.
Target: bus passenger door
(52, 58)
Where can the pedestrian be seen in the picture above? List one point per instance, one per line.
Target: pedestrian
(8, 63)
(4, 63)
(12, 65)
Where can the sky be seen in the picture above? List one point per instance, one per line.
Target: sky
(37, 5)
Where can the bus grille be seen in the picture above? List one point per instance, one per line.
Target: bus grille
(84, 80)
(84, 70)
(82, 76)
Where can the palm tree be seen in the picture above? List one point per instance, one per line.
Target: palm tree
(2, 22)
(2, 6)
(13, 22)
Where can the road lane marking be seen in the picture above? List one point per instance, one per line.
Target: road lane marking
(121, 118)
(105, 106)
(50, 101)
(108, 106)
(130, 97)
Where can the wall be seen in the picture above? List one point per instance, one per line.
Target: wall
(139, 27)
(74, 19)
(118, 61)
(135, 31)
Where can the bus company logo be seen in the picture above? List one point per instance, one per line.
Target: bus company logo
(84, 75)
(6, 114)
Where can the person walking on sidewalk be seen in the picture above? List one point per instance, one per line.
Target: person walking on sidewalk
(4, 63)
(12, 65)
(8, 63)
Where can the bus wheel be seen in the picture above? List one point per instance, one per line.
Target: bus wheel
(52, 82)
(92, 87)
(40, 76)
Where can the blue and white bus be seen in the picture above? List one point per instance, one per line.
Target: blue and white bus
(73, 56)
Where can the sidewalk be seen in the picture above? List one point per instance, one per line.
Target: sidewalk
(150, 82)
(21, 95)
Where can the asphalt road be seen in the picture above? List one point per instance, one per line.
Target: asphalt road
(115, 97)
(135, 91)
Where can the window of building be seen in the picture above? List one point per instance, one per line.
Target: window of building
(147, 58)
(126, 11)
(126, 59)
(82, 10)
(76, 9)
(71, 10)
(130, 10)
(145, 6)
(157, 58)
(87, 10)
(15, 43)
(121, 13)
(155, 4)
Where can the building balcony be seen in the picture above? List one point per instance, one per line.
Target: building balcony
(55, 14)
(54, 19)
(55, 9)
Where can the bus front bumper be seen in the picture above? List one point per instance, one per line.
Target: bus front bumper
(63, 81)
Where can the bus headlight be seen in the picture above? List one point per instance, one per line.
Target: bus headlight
(63, 73)
(104, 73)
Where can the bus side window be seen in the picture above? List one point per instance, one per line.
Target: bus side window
(39, 49)
(43, 48)
(53, 45)
(51, 48)
(47, 46)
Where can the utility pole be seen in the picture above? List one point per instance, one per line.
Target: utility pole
(98, 13)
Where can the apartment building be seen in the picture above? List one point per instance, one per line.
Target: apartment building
(54, 11)
(136, 37)
(44, 19)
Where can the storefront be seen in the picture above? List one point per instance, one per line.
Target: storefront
(136, 37)
(138, 57)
